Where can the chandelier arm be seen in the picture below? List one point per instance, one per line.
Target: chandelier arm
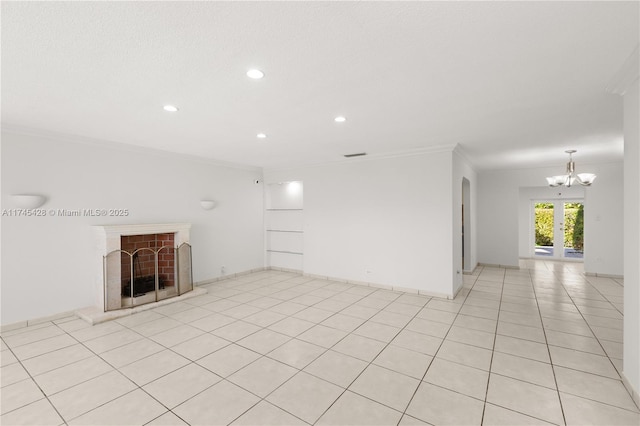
(571, 176)
(581, 182)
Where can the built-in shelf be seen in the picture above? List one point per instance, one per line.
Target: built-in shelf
(284, 226)
(286, 252)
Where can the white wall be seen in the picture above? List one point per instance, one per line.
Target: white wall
(604, 221)
(500, 212)
(631, 363)
(385, 221)
(48, 264)
(462, 169)
(497, 218)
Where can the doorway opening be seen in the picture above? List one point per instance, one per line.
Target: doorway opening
(558, 228)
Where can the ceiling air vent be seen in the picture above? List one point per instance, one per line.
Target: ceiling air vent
(358, 154)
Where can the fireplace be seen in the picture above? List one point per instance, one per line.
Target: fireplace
(138, 263)
(143, 264)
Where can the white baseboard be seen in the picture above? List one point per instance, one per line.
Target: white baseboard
(35, 321)
(40, 320)
(597, 274)
(227, 276)
(275, 268)
(493, 265)
(90, 313)
(390, 287)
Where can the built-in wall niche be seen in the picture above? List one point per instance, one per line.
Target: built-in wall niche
(284, 225)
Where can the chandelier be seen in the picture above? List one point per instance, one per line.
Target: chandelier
(570, 177)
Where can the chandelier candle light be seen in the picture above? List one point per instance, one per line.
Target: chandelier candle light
(568, 179)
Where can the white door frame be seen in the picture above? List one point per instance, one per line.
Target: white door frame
(558, 228)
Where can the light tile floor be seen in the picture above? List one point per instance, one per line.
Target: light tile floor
(539, 345)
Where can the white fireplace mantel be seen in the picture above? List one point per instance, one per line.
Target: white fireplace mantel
(107, 232)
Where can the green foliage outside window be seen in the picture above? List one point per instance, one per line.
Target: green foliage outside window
(544, 226)
(578, 230)
(573, 225)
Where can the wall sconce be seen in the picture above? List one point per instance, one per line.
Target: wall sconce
(207, 204)
(28, 201)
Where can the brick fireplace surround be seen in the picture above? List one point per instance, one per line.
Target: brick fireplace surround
(144, 264)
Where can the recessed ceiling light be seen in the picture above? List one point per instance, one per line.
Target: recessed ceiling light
(170, 108)
(261, 136)
(340, 119)
(255, 74)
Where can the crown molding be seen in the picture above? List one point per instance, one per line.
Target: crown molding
(465, 156)
(83, 140)
(626, 75)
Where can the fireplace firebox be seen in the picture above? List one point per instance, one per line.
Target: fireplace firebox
(138, 263)
(144, 264)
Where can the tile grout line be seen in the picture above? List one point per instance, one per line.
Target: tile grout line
(602, 347)
(493, 349)
(123, 375)
(299, 370)
(119, 372)
(328, 349)
(530, 284)
(98, 356)
(223, 379)
(604, 295)
(404, 413)
(587, 323)
(36, 384)
(544, 331)
(349, 333)
(375, 357)
(291, 338)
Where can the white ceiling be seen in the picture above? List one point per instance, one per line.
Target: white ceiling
(514, 83)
